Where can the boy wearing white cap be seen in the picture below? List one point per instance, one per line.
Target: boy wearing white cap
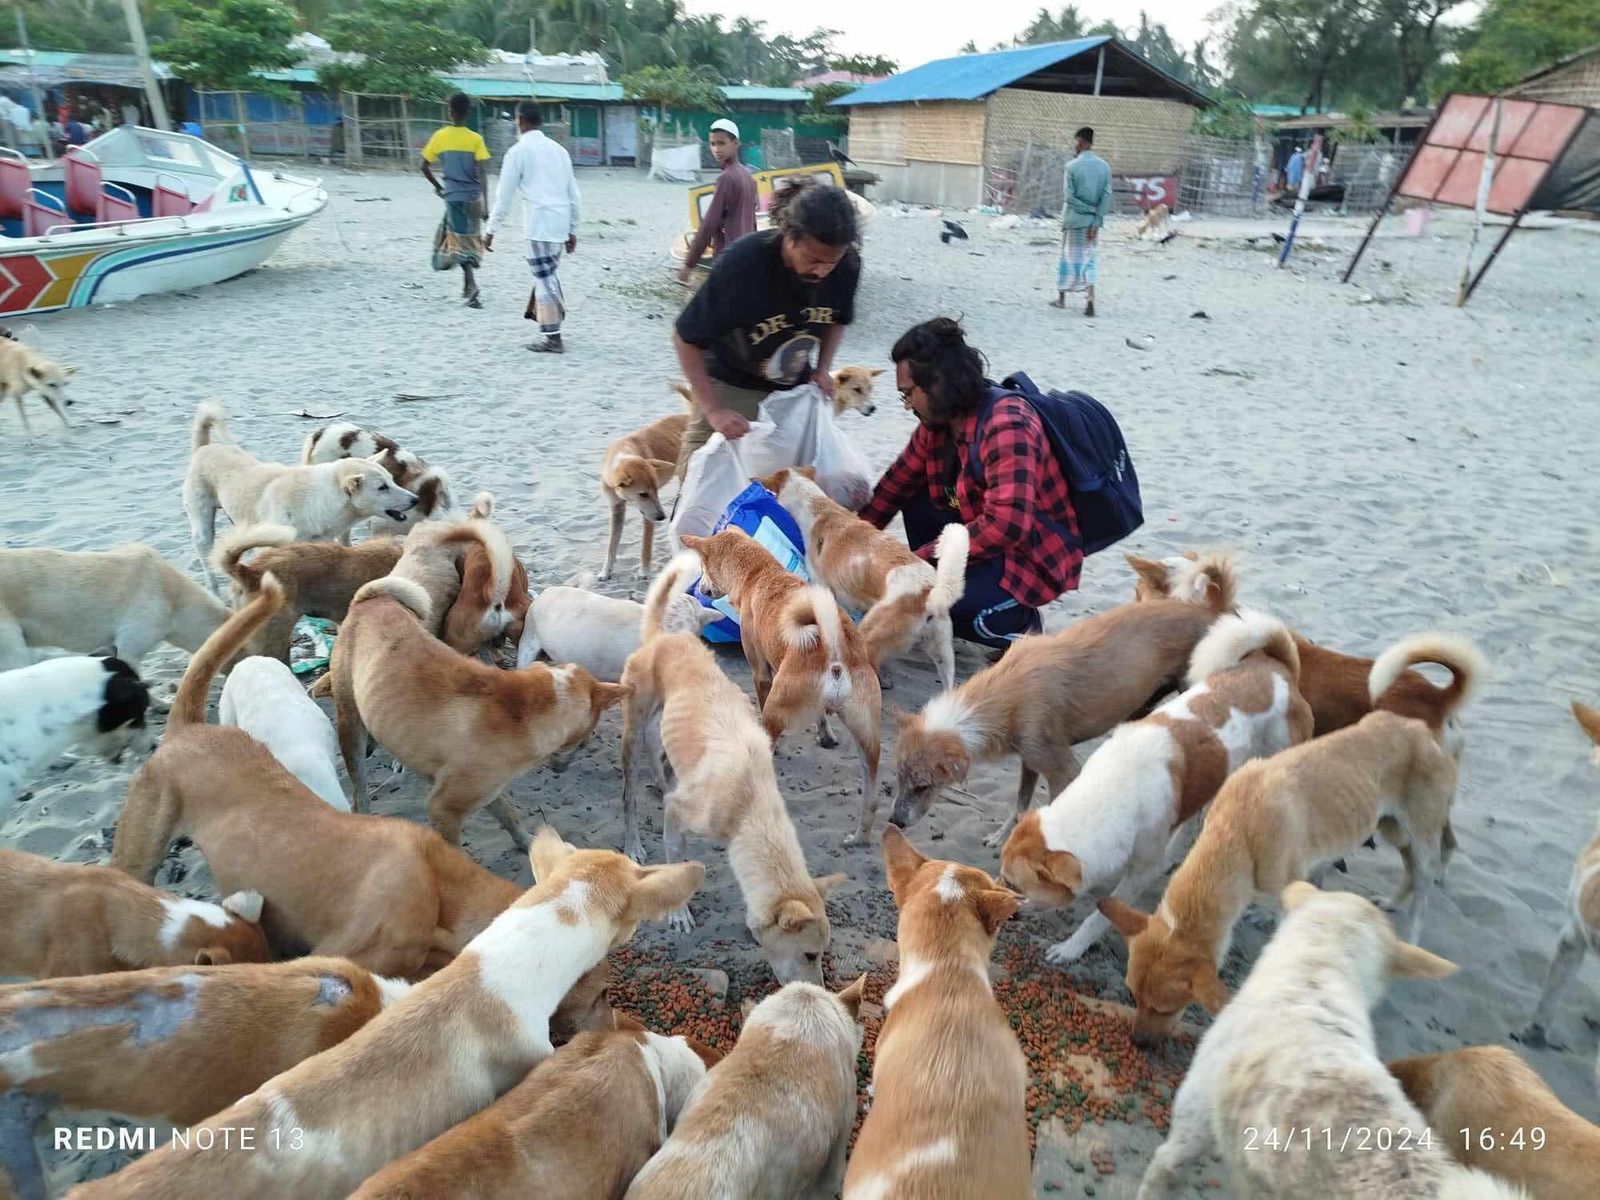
(732, 212)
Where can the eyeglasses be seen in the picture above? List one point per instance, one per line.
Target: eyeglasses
(905, 395)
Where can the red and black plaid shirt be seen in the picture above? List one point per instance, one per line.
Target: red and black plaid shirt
(1018, 514)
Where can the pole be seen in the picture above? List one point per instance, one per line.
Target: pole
(1306, 176)
(1485, 182)
(1493, 254)
(141, 51)
(1394, 190)
(1099, 69)
(33, 80)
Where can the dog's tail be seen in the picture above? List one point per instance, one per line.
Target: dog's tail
(228, 557)
(209, 425)
(1208, 579)
(950, 576)
(1461, 658)
(1238, 635)
(189, 705)
(1589, 721)
(688, 397)
(674, 578)
(502, 560)
(308, 451)
(407, 593)
(812, 618)
(482, 507)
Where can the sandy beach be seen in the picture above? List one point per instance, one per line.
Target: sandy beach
(1384, 462)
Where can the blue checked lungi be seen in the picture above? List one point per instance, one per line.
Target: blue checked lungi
(1077, 269)
(546, 305)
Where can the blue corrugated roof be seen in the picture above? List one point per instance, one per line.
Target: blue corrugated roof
(968, 76)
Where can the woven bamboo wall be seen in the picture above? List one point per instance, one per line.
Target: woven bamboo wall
(946, 132)
(1575, 83)
(1137, 136)
(877, 133)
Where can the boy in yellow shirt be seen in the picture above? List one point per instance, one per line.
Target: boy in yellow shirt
(462, 158)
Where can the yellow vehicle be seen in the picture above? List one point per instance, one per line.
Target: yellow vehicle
(767, 182)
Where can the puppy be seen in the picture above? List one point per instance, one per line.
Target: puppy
(345, 439)
(1535, 1141)
(1155, 220)
(23, 370)
(772, 1122)
(1153, 777)
(94, 704)
(129, 600)
(493, 600)
(598, 633)
(1295, 1051)
(321, 501)
(949, 1082)
(263, 698)
(633, 471)
(66, 919)
(1053, 690)
(469, 727)
(806, 655)
(318, 578)
(449, 1047)
(1334, 684)
(681, 706)
(852, 390)
(381, 891)
(906, 600)
(579, 1127)
(1582, 929)
(1287, 818)
(176, 1043)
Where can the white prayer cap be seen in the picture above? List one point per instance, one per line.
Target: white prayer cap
(726, 126)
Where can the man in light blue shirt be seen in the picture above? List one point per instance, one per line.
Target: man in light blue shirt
(1088, 203)
(1296, 169)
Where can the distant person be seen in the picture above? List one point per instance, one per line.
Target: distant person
(1087, 187)
(460, 154)
(74, 132)
(1296, 170)
(732, 211)
(771, 298)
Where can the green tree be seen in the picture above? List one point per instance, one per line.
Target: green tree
(674, 87)
(864, 64)
(1514, 38)
(1419, 40)
(1296, 51)
(222, 48)
(403, 45)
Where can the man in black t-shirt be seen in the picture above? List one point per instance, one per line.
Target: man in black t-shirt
(772, 298)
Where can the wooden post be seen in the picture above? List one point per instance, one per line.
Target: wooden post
(33, 84)
(350, 103)
(405, 131)
(1099, 68)
(141, 51)
(1485, 182)
(238, 122)
(1493, 254)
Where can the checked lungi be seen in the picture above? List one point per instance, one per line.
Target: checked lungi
(1078, 260)
(546, 305)
(459, 239)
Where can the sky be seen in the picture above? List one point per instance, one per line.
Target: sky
(912, 32)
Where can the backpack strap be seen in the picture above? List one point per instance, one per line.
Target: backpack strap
(993, 394)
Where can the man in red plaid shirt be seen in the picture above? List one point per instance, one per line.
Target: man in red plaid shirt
(1025, 545)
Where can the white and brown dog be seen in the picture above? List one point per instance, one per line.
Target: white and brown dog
(632, 473)
(773, 1120)
(1110, 828)
(345, 439)
(949, 1081)
(23, 370)
(494, 598)
(94, 704)
(450, 1046)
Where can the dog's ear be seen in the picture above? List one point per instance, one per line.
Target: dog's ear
(607, 694)
(663, 470)
(1149, 571)
(809, 472)
(1588, 720)
(876, 371)
(212, 956)
(901, 860)
(547, 852)
(1063, 869)
(244, 905)
(1124, 918)
(690, 542)
(482, 507)
(853, 995)
(351, 484)
(1413, 962)
(996, 906)
(1209, 989)
(827, 885)
(658, 891)
(1297, 893)
(793, 915)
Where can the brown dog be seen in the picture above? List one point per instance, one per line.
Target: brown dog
(806, 656)
(949, 1117)
(494, 599)
(634, 470)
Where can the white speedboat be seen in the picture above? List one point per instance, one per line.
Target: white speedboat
(138, 211)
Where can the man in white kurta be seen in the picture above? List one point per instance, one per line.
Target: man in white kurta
(540, 171)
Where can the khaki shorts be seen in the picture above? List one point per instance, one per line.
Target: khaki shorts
(744, 401)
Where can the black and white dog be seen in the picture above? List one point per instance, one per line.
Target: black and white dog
(96, 704)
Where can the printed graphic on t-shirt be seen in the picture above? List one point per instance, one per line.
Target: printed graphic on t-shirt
(792, 361)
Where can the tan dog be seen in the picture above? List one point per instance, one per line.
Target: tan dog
(1287, 818)
(634, 470)
(906, 600)
(1053, 690)
(1155, 220)
(321, 501)
(384, 892)
(806, 656)
(493, 600)
(772, 1122)
(1493, 1112)
(177, 1043)
(65, 919)
(949, 1082)
(1582, 930)
(852, 390)
(449, 1048)
(23, 370)
(318, 579)
(579, 1127)
(681, 705)
(469, 727)
(1152, 778)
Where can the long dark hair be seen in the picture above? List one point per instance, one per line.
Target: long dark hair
(810, 208)
(944, 366)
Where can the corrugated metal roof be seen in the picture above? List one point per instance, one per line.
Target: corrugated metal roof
(968, 76)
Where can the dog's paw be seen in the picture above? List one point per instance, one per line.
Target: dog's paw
(885, 682)
(635, 851)
(1063, 953)
(998, 837)
(604, 575)
(680, 920)
(858, 837)
(826, 739)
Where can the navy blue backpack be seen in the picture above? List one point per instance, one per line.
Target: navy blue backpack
(1093, 457)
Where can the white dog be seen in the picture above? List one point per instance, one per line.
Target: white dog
(263, 698)
(321, 501)
(1287, 1084)
(598, 632)
(94, 703)
(24, 370)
